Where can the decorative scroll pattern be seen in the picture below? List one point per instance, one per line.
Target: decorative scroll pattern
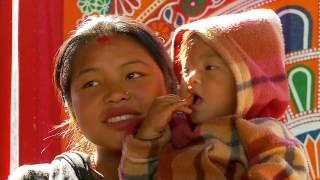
(301, 31)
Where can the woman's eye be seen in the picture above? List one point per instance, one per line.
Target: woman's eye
(210, 67)
(134, 75)
(90, 84)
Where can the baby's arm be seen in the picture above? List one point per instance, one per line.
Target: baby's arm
(272, 151)
(141, 150)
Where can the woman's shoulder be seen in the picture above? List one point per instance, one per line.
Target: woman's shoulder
(37, 171)
(70, 165)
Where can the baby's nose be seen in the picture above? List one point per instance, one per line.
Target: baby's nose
(193, 78)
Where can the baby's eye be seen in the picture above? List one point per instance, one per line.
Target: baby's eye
(210, 67)
(90, 84)
(134, 75)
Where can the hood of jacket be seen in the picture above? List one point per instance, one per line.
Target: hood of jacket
(252, 45)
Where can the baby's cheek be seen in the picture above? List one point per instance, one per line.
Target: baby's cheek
(187, 96)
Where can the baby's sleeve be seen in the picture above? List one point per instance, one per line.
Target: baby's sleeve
(140, 157)
(272, 151)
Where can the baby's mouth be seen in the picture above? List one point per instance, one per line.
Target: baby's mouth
(196, 100)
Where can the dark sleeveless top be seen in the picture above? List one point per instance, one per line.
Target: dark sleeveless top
(68, 165)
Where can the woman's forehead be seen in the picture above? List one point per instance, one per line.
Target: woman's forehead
(115, 50)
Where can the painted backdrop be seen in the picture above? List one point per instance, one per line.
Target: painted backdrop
(301, 31)
(26, 135)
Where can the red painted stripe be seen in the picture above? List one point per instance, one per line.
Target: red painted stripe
(5, 90)
(40, 35)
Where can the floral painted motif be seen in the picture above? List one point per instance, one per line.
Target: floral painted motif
(125, 7)
(193, 7)
(162, 29)
(163, 16)
(87, 6)
(103, 6)
(217, 3)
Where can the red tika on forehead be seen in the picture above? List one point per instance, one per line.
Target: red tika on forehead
(102, 38)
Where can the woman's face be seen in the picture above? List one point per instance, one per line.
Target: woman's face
(113, 85)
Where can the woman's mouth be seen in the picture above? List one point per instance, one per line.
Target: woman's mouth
(124, 121)
(119, 118)
(122, 118)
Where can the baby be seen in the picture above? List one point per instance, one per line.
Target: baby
(233, 68)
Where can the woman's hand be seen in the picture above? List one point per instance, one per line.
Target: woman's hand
(160, 114)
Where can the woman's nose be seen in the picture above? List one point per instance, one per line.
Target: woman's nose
(116, 95)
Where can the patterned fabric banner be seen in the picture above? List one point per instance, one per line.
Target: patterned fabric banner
(44, 24)
(301, 31)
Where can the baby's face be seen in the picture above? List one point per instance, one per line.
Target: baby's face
(209, 80)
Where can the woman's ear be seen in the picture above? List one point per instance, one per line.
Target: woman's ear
(69, 110)
(73, 118)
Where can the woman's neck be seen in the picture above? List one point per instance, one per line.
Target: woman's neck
(108, 163)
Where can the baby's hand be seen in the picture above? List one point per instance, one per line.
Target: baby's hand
(160, 114)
